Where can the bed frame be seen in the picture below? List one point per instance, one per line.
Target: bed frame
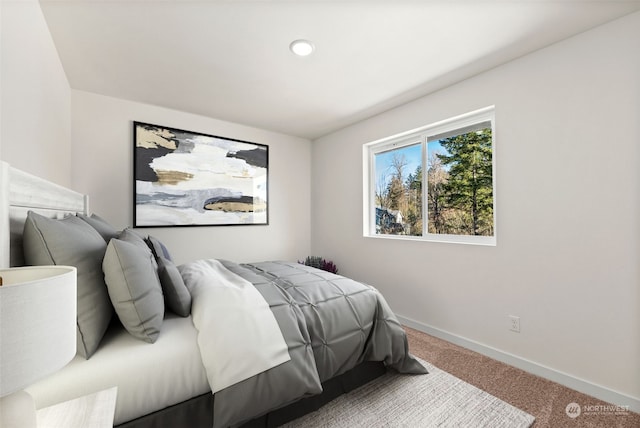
(21, 192)
(198, 411)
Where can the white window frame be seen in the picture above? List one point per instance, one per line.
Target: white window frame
(421, 135)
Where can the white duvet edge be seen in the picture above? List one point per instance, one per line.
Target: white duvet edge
(238, 335)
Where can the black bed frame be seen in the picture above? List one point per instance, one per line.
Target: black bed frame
(198, 411)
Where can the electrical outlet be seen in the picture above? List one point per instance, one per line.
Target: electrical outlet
(514, 323)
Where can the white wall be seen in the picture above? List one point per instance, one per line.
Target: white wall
(35, 126)
(568, 204)
(95, 156)
(102, 135)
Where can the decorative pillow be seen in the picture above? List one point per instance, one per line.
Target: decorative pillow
(159, 249)
(134, 289)
(176, 295)
(73, 242)
(133, 237)
(101, 225)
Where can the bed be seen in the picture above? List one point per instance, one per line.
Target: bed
(207, 343)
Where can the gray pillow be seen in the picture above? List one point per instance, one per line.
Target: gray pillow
(73, 242)
(159, 249)
(133, 237)
(101, 225)
(134, 289)
(176, 295)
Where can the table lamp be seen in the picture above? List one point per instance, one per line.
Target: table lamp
(37, 334)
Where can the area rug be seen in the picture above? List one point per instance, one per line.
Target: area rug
(437, 399)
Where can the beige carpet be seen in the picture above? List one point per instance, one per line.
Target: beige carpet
(437, 399)
(547, 401)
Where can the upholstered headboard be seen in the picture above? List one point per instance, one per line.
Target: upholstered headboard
(21, 192)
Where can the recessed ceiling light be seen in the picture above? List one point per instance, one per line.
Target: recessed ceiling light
(301, 47)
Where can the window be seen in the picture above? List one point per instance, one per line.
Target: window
(435, 183)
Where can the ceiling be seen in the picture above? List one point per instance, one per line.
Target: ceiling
(230, 60)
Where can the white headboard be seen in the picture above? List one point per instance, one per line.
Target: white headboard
(21, 192)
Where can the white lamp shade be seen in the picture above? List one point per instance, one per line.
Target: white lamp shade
(37, 324)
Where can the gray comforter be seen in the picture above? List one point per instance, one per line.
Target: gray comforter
(330, 324)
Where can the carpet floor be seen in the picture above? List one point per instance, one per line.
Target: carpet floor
(545, 400)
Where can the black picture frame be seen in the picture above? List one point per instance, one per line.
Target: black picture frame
(186, 178)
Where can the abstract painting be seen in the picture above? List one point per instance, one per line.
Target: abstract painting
(184, 178)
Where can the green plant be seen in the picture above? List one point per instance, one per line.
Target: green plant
(320, 263)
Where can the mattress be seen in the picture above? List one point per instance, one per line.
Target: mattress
(150, 377)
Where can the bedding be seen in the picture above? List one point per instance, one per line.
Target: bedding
(134, 288)
(176, 295)
(149, 377)
(330, 323)
(178, 335)
(73, 242)
(238, 335)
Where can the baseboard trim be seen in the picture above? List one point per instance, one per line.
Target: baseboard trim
(581, 385)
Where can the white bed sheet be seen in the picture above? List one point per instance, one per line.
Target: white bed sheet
(149, 377)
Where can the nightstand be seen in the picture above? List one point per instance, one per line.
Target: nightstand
(93, 410)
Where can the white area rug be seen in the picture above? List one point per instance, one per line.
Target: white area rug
(437, 399)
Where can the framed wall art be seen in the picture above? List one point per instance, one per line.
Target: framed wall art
(185, 178)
